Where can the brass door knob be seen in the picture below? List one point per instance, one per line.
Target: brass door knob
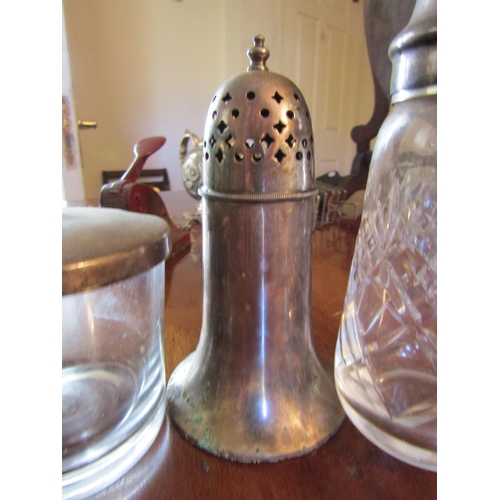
(84, 124)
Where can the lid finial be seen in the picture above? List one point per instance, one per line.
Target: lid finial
(258, 54)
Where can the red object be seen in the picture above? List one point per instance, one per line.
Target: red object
(128, 194)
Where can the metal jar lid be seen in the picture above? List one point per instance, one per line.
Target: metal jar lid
(258, 141)
(101, 246)
(414, 55)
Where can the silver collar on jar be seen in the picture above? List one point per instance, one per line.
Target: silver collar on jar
(414, 55)
(254, 390)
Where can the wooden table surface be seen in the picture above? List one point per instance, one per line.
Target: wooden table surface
(348, 466)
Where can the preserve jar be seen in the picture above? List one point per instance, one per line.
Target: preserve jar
(113, 373)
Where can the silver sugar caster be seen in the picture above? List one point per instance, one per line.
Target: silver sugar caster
(255, 390)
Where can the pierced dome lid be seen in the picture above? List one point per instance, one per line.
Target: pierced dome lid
(258, 140)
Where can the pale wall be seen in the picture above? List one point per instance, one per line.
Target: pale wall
(145, 53)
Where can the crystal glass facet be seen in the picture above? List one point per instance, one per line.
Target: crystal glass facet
(386, 356)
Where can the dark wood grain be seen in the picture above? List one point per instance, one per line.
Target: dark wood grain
(348, 466)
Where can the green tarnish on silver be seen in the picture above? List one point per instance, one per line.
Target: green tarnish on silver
(196, 420)
(195, 417)
(207, 441)
(257, 451)
(201, 399)
(315, 387)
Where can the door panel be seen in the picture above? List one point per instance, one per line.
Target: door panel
(325, 55)
(331, 92)
(307, 57)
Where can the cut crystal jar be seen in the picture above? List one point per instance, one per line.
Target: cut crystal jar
(386, 356)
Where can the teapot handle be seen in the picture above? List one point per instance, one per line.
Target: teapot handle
(185, 140)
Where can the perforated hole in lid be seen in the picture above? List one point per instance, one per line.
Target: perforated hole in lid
(280, 155)
(277, 97)
(290, 141)
(267, 140)
(219, 155)
(279, 126)
(222, 126)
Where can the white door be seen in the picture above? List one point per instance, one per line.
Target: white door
(324, 52)
(320, 46)
(71, 160)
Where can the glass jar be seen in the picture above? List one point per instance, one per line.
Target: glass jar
(386, 355)
(113, 374)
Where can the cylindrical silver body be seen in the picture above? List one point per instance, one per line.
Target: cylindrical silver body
(257, 279)
(254, 389)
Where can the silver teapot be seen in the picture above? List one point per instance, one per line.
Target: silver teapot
(191, 164)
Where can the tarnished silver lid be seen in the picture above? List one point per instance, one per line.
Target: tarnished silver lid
(414, 55)
(101, 246)
(258, 141)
